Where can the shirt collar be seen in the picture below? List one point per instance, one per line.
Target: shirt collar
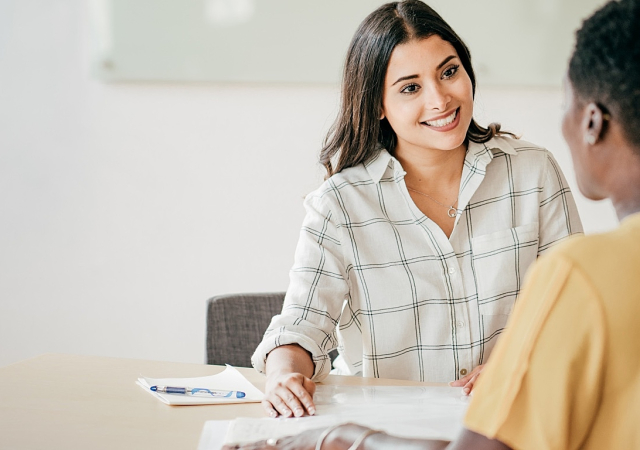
(483, 152)
(501, 143)
(496, 143)
(378, 165)
(383, 160)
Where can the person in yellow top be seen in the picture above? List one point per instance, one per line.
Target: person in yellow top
(566, 372)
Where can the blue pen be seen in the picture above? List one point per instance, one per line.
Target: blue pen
(200, 392)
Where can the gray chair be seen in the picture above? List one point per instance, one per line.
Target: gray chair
(236, 324)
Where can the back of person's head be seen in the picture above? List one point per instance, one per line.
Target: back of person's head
(605, 65)
(358, 131)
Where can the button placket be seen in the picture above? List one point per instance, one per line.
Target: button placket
(463, 331)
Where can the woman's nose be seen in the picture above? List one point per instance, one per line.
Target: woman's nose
(436, 98)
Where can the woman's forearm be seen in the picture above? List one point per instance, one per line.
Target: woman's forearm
(289, 359)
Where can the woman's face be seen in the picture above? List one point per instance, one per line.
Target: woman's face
(428, 96)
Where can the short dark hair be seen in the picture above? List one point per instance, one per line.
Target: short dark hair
(358, 132)
(605, 65)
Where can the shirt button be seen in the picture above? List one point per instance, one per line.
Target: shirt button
(460, 324)
(452, 270)
(463, 372)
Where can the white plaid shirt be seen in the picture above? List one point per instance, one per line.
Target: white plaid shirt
(376, 278)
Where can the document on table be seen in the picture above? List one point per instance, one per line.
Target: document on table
(229, 380)
(406, 411)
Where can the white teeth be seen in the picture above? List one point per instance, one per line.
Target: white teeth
(442, 122)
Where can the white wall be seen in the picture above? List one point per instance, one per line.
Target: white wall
(123, 207)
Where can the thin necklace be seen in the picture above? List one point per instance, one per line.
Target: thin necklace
(452, 211)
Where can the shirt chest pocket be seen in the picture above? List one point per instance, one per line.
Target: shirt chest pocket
(501, 260)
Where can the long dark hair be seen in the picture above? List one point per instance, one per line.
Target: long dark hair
(358, 132)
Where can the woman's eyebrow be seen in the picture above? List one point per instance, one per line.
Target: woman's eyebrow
(410, 77)
(446, 60)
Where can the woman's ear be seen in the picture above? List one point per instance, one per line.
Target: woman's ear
(593, 123)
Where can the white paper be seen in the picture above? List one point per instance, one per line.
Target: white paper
(213, 434)
(406, 411)
(229, 380)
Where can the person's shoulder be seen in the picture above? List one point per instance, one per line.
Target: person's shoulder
(528, 156)
(597, 253)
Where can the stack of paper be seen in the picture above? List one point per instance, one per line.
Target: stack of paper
(228, 380)
(406, 411)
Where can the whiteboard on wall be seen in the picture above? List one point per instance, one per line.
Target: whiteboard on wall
(512, 42)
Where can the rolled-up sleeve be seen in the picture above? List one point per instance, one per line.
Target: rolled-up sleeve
(558, 212)
(316, 293)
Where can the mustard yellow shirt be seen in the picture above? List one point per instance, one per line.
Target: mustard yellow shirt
(566, 372)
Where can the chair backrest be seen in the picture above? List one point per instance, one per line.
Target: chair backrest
(236, 324)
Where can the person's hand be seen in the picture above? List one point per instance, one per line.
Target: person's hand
(304, 441)
(339, 437)
(289, 394)
(468, 381)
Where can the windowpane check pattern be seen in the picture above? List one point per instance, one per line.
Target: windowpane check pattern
(376, 278)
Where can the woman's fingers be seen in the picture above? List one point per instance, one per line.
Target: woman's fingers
(469, 378)
(462, 381)
(287, 403)
(290, 395)
(469, 386)
(306, 395)
(269, 409)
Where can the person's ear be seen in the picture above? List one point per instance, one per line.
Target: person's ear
(593, 121)
(381, 115)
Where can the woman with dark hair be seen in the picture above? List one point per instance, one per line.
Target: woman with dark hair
(413, 251)
(565, 374)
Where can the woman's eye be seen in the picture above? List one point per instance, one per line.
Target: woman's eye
(451, 71)
(410, 89)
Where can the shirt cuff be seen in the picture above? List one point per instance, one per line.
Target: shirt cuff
(321, 359)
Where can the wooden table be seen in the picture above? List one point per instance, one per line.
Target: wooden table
(58, 401)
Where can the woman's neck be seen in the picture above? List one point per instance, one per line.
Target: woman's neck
(431, 169)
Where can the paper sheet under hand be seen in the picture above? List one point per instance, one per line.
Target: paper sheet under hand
(213, 434)
(229, 380)
(405, 411)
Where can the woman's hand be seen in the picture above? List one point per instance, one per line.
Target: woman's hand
(289, 394)
(468, 381)
(289, 389)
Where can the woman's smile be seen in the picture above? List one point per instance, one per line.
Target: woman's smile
(444, 124)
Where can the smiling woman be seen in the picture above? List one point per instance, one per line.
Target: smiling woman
(559, 378)
(414, 249)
